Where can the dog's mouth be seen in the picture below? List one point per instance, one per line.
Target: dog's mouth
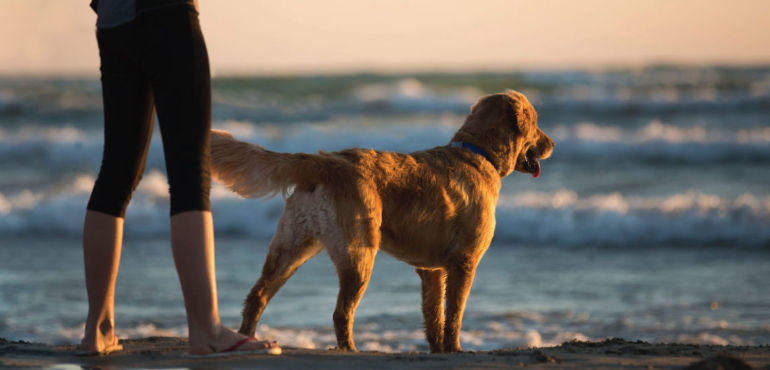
(531, 164)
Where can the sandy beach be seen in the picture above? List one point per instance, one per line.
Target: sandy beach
(169, 352)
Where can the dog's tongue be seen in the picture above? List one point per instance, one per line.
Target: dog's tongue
(536, 165)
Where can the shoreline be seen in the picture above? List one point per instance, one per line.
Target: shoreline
(170, 352)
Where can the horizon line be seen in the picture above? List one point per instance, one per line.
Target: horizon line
(235, 72)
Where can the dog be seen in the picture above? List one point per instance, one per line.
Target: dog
(433, 209)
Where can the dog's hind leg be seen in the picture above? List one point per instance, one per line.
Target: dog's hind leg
(433, 285)
(354, 277)
(280, 265)
(292, 245)
(353, 261)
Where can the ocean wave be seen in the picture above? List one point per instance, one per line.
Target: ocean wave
(583, 142)
(564, 218)
(661, 142)
(298, 99)
(658, 131)
(353, 132)
(602, 96)
(409, 94)
(34, 96)
(626, 93)
(556, 218)
(68, 148)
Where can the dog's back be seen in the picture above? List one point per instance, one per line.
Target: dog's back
(254, 172)
(416, 196)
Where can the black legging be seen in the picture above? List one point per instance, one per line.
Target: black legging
(157, 60)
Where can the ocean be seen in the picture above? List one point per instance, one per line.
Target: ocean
(651, 220)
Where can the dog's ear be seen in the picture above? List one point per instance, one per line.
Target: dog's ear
(526, 119)
(524, 114)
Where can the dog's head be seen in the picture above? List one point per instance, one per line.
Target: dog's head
(504, 126)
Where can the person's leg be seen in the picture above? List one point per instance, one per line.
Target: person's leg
(192, 244)
(178, 65)
(102, 238)
(128, 113)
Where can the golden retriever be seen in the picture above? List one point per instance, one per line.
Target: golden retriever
(433, 209)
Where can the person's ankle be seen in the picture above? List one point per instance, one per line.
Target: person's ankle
(204, 339)
(100, 325)
(107, 327)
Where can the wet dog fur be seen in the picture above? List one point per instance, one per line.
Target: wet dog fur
(433, 209)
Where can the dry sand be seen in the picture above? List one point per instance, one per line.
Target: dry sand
(164, 352)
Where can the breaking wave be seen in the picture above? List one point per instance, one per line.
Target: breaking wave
(557, 218)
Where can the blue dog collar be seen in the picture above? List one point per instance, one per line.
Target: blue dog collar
(473, 148)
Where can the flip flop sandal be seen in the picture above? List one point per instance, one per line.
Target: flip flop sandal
(234, 350)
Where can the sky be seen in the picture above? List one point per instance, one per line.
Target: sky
(310, 36)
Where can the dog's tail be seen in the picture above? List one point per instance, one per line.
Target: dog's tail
(254, 172)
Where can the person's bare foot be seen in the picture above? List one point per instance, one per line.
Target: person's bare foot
(100, 342)
(228, 341)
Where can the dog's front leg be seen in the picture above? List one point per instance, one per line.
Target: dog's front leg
(433, 287)
(459, 279)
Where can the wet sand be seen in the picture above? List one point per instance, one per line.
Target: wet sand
(170, 352)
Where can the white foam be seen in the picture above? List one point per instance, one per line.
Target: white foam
(490, 333)
(5, 205)
(154, 185)
(410, 92)
(24, 200)
(382, 135)
(562, 217)
(83, 184)
(615, 202)
(374, 338)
